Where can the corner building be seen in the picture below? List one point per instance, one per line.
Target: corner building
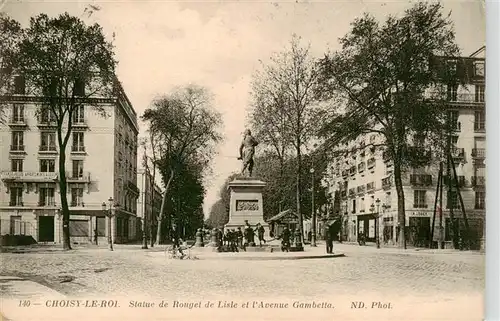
(364, 175)
(101, 164)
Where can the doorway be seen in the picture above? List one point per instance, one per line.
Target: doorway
(46, 229)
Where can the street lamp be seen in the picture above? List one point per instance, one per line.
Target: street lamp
(110, 217)
(377, 234)
(313, 211)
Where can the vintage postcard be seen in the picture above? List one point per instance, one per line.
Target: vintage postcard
(236, 160)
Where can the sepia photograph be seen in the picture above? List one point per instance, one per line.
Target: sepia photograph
(238, 160)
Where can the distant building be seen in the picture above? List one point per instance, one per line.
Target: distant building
(148, 203)
(363, 175)
(101, 163)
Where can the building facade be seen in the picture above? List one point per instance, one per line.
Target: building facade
(101, 164)
(364, 178)
(148, 203)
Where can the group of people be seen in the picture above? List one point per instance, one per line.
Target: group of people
(236, 239)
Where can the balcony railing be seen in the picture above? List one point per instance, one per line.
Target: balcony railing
(17, 121)
(47, 148)
(16, 203)
(447, 181)
(457, 152)
(478, 181)
(421, 179)
(47, 121)
(17, 148)
(370, 186)
(50, 202)
(78, 176)
(77, 204)
(419, 205)
(462, 97)
(361, 189)
(386, 182)
(77, 149)
(478, 152)
(479, 127)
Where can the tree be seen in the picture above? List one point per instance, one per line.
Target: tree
(284, 105)
(185, 128)
(218, 216)
(69, 65)
(10, 35)
(386, 77)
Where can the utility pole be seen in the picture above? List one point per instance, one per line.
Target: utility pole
(144, 197)
(435, 208)
(465, 237)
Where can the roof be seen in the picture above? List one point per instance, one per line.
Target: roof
(281, 215)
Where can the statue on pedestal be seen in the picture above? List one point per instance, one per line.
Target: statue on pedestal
(247, 151)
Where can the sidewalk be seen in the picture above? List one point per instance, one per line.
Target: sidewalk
(347, 247)
(16, 291)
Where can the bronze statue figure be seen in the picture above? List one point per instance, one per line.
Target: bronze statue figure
(247, 150)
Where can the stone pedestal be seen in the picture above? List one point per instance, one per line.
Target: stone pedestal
(246, 204)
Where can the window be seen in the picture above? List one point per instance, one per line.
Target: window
(16, 165)
(362, 205)
(79, 88)
(388, 200)
(101, 225)
(16, 196)
(452, 201)
(479, 120)
(47, 141)
(78, 145)
(480, 196)
(18, 113)
(454, 141)
(17, 141)
(79, 227)
(479, 94)
(452, 92)
(77, 196)
(77, 169)
(47, 165)
(47, 116)
(353, 206)
(419, 199)
(78, 114)
(479, 68)
(19, 85)
(453, 119)
(46, 196)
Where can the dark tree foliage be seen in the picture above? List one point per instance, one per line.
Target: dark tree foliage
(384, 82)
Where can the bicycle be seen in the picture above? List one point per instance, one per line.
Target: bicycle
(173, 252)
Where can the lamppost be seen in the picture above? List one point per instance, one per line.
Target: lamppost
(313, 210)
(384, 207)
(110, 217)
(372, 209)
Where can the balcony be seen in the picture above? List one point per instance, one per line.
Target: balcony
(49, 202)
(352, 170)
(361, 167)
(132, 187)
(463, 98)
(457, 153)
(360, 190)
(78, 177)
(479, 127)
(17, 148)
(387, 182)
(79, 122)
(44, 122)
(370, 187)
(16, 203)
(18, 122)
(421, 180)
(420, 205)
(352, 192)
(47, 149)
(370, 163)
(447, 181)
(77, 149)
(478, 152)
(77, 203)
(478, 181)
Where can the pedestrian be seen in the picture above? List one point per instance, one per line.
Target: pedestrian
(239, 237)
(176, 239)
(309, 236)
(329, 239)
(220, 237)
(260, 233)
(233, 237)
(285, 239)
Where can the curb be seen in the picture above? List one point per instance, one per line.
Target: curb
(270, 257)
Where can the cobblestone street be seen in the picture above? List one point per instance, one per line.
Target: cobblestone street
(365, 272)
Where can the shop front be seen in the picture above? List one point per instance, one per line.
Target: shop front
(366, 227)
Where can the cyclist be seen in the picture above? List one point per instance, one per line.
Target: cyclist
(176, 241)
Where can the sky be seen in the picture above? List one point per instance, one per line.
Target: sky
(219, 44)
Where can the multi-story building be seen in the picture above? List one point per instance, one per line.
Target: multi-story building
(101, 164)
(364, 177)
(149, 201)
